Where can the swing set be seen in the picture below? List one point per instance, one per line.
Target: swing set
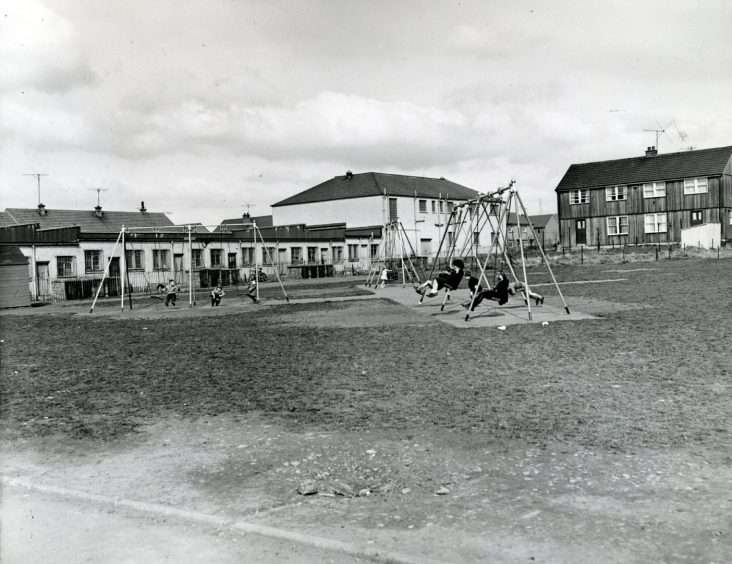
(468, 220)
(189, 233)
(394, 249)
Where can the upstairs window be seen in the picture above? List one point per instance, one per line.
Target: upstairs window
(695, 186)
(423, 206)
(579, 197)
(433, 206)
(617, 225)
(654, 189)
(615, 193)
(655, 222)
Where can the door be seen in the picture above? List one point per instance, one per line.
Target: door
(43, 281)
(178, 268)
(581, 231)
(282, 260)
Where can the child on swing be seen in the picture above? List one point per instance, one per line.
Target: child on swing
(451, 278)
(216, 294)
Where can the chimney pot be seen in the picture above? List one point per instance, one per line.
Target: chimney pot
(41, 209)
(651, 152)
(349, 175)
(98, 211)
(142, 207)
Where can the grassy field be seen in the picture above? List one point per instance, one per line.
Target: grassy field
(654, 371)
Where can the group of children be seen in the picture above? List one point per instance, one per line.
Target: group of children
(171, 290)
(451, 279)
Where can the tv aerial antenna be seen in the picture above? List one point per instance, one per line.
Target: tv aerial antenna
(99, 191)
(38, 178)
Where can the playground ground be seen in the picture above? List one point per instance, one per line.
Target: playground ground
(416, 436)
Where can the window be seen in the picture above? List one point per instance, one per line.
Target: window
(197, 258)
(579, 197)
(374, 250)
(615, 193)
(65, 267)
(617, 225)
(655, 222)
(695, 186)
(423, 206)
(247, 256)
(92, 261)
(654, 189)
(450, 206)
(433, 206)
(269, 255)
(393, 216)
(442, 207)
(231, 262)
(296, 254)
(697, 217)
(476, 238)
(352, 253)
(216, 258)
(337, 254)
(312, 254)
(450, 238)
(135, 260)
(161, 259)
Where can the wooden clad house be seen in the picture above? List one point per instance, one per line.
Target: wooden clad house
(13, 278)
(683, 198)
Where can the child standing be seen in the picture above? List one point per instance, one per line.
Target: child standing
(384, 277)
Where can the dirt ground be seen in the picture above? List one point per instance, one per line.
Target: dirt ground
(369, 423)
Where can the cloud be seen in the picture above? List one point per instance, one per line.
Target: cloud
(39, 51)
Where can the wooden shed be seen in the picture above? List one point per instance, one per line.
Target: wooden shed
(14, 291)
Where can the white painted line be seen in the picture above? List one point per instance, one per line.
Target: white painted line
(243, 526)
(580, 282)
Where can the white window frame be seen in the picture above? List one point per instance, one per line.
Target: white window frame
(614, 225)
(247, 256)
(654, 190)
(197, 258)
(655, 222)
(161, 259)
(337, 253)
(691, 217)
(616, 193)
(135, 259)
(577, 197)
(218, 261)
(87, 255)
(699, 185)
(353, 252)
(69, 260)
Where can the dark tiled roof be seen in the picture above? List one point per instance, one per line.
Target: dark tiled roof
(378, 183)
(262, 221)
(10, 254)
(670, 166)
(6, 220)
(110, 222)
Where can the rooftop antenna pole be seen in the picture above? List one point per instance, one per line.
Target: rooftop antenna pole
(657, 132)
(99, 190)
(38, 177)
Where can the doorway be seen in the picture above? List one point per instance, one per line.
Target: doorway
(581, 231)
(43, 281)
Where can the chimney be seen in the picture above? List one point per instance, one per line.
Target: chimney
(349, 175)
(246, 216)
(651, 152)
(143, 210)
(41, 209)
(98, 211)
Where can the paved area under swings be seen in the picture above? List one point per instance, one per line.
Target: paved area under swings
(487, 314)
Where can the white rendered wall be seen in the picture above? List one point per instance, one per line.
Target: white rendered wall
(355, 212)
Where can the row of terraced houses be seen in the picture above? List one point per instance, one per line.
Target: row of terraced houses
(336, 226)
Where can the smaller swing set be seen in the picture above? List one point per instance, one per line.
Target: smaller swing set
(186, 232)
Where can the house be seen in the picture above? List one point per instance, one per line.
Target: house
(683, 198)
(422, 205)
(546, 228)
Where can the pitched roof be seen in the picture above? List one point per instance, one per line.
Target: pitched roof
(110, 222)
(377, 184)
(536, 220)
(669, 166)
(10, 254)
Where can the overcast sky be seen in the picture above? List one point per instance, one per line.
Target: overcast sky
(199, 108)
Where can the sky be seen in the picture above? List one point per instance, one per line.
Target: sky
(208, 109)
